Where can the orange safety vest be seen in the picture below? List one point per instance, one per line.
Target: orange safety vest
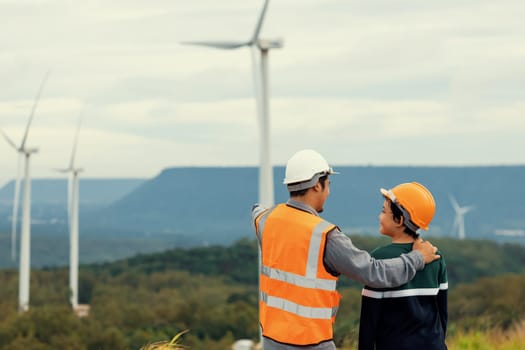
(298, 297)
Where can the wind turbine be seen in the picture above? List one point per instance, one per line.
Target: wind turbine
(459, 221)
(260, 78)
(72, 214)
(25, 242)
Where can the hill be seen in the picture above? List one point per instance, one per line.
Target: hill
(54, 191)
(49, 198)
(213, 204)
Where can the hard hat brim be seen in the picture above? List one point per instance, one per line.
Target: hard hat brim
(388, 194)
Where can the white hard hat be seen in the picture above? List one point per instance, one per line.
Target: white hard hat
(304, 168)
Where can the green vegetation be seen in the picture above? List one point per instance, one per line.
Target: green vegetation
(212, 292)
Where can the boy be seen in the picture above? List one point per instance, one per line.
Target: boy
(414, 315)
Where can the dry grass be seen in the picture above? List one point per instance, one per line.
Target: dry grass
(512, 339)
(166, 345)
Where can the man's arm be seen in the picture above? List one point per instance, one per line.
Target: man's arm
(257, 210)
(342, 257)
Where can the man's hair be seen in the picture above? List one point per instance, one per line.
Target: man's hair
(398, 214)
(302, 192)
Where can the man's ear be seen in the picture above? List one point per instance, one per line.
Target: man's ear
(317, 187)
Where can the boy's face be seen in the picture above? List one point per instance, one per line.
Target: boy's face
(387, 225)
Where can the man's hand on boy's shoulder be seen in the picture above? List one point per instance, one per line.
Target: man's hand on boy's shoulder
(426, 249)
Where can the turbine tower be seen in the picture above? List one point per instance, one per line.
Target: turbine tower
(72, 214)
(260, 77)
(25, 241)
(458, 226)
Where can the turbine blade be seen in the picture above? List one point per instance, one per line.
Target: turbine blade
(35, 103)
(260, 22)
(468, 208)
(75, 142)
(11, 142)
(224, 45)
(454, 203)
(16, 200)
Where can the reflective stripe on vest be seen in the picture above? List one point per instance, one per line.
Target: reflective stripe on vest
(324, 313)
(298, 280)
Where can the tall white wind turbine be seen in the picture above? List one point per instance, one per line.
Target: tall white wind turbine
(458, 226)
(25, 241)
(72, 214)
(260, 76)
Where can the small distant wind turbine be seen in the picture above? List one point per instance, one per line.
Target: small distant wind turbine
(266, 194)
(459, 222)
(25, 242)
(72, 214)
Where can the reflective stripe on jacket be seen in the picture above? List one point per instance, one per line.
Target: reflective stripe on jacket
(298, 300)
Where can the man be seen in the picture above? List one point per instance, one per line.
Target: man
(302, 256)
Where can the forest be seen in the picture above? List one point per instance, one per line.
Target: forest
(212, 292)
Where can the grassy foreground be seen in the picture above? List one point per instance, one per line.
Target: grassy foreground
(512, 339)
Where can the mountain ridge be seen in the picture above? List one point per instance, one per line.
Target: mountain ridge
(219, 198)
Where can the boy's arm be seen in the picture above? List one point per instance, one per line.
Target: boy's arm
(442, 297)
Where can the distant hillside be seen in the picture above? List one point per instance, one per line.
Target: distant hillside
(213, 204)
(54, 191)
(49, 199)
(191, 206)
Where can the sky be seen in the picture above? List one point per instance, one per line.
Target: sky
(381, 82)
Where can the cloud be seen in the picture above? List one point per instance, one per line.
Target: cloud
(382, 82)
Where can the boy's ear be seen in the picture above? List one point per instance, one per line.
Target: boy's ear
(401, 221)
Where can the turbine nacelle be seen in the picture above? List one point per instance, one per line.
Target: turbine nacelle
(69, 170)
(28, 151)
(464, 210)
(266, 44)
(263, 44)
(21, 148)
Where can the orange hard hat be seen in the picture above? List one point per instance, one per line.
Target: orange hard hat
(416, 203)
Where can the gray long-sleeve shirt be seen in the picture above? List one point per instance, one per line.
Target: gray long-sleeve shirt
(342, 257)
